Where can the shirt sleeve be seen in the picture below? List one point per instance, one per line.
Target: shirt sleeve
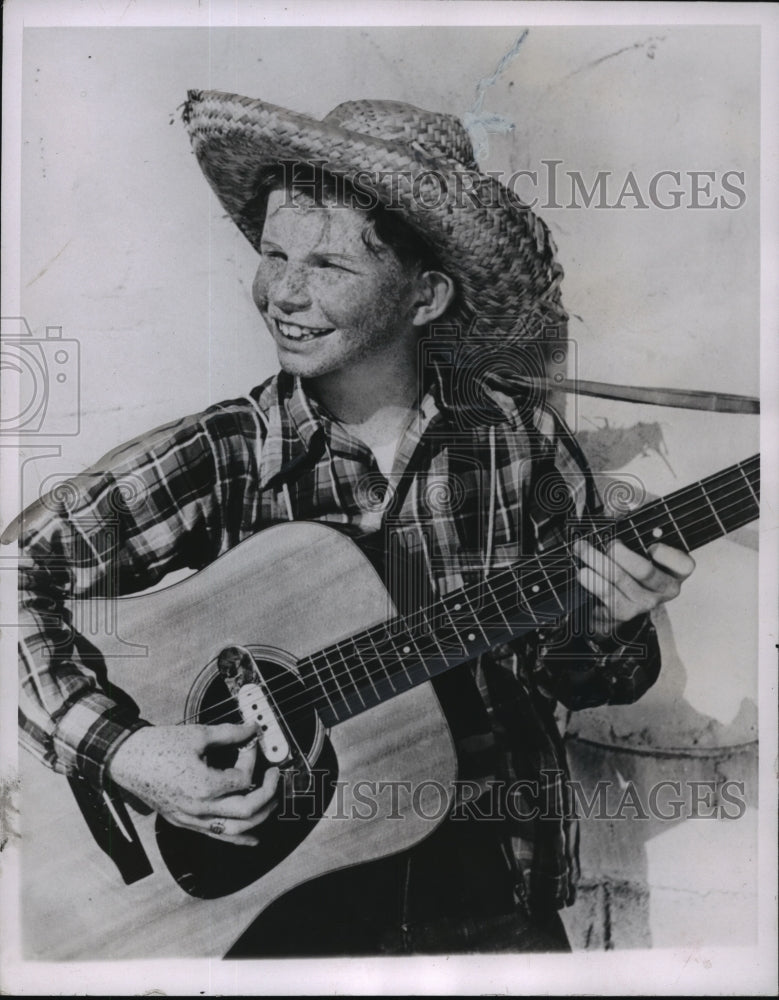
(166, 501)
(583, 672)
(571, 664)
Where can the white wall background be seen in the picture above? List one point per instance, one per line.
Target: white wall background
(124, 247)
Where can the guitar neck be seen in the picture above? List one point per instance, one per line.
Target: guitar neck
(381, 662)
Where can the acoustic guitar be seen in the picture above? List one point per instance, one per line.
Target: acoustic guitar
(294, 630)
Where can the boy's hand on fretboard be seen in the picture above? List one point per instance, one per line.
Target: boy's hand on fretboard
(627, 584)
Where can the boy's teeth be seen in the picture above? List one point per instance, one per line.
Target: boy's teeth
(299, 332)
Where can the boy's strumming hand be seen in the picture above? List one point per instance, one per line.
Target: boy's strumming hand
(166, 767)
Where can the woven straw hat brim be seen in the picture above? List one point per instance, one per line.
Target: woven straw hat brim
(499, 252)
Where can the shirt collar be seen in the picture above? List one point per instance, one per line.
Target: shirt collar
(297, 427)
(468, 397)
(293, 428)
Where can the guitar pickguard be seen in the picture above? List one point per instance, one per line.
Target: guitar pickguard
(208, 868)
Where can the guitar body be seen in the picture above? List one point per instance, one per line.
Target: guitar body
(288, 600)
(285, 593)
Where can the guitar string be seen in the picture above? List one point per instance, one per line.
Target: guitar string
(420, 616)
(373, 665)
(369, 659)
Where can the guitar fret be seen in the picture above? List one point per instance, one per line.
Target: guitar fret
(358, 674)
(467, 636)
(751, 470)
(434, 632)
(409, 644)
(655, 525)
(383, 661)
(637, 533)
(350, 680)
(744, 517)
(714, 511)
(338, 685)
(346, 682)
(698, 516)
(524, 585)
(415, 643)
(419, 640)
(397, 645)
(749, 485)
(496, 603)
(503, 614)
(679, 534)
(728, 497)
(321, 679)
(382, 664)
(535, 587)
(366, 671)
(551, 586)
(456, 629)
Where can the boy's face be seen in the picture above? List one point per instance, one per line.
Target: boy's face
(329, 302)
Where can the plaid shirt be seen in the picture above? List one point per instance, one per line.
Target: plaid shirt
(469, 491)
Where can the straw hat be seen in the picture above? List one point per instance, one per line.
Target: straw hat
(420, 163)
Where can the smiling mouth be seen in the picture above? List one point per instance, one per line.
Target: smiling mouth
(291, 331)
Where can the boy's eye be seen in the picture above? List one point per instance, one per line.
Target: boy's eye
(335, 265)
(274, 254)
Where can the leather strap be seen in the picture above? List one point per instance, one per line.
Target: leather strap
(690, 399)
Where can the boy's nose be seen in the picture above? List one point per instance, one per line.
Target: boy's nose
(290, 292)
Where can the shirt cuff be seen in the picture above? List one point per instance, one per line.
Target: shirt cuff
(89, 734)
(558, 642)
(631, 633)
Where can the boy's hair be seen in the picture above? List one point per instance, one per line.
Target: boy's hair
(384, 227)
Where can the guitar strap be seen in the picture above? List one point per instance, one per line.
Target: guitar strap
(114, 833)
(689, 399)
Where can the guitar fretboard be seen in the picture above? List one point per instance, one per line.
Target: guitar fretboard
(378, 663)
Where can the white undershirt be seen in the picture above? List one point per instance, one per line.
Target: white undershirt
(385, 455)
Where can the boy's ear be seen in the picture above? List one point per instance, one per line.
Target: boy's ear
(435, 294)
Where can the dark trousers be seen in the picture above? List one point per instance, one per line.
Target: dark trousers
(450, 894)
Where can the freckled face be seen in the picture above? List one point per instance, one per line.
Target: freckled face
(330, 304)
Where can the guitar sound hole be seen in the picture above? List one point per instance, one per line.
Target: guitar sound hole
(216, 706)
(210, 868)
